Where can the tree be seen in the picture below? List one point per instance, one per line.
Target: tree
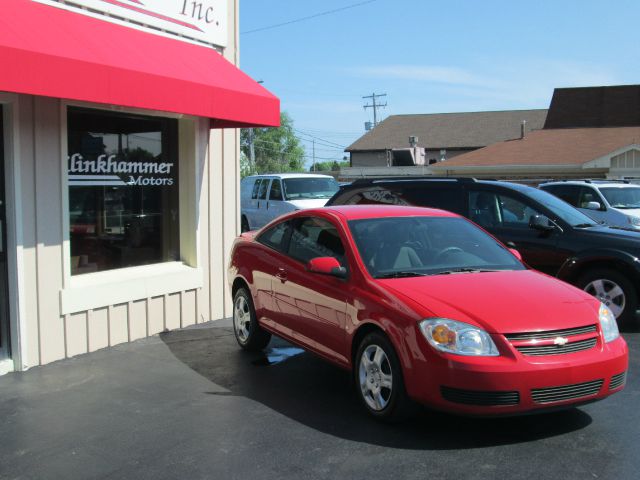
(277, 150)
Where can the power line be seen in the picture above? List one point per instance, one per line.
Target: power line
(309, 17)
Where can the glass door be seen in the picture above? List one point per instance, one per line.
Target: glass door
(5, 349)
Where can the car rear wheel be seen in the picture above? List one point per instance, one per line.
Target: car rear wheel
(614, 290)
(378, 379)
(248, 332)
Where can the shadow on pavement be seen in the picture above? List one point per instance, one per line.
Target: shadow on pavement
(308, 390)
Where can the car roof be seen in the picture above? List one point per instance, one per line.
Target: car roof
(594, 183)
(290, 175)
(360, 212)
(408, 180)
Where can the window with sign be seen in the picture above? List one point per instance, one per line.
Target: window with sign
(123, 190)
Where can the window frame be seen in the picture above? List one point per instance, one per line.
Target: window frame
(111, 287)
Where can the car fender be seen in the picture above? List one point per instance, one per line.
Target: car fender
(575, 264)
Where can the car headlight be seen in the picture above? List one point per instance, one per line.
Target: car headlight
(458, 338)
(608, 324)
(635, 221)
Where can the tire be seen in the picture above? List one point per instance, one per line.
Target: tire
(249, 335)
(244, 225)
(614, 290)
(378, 382)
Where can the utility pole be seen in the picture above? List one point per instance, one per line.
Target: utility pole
(375, 105)
(252, 151)
(314, 154)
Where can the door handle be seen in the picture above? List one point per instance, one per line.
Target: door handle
(281, 275)
(267, 205)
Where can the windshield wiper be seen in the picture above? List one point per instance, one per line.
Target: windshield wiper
(466, 270)
(585, 225)
(402, 275)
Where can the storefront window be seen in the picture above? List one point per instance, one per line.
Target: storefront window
(123, 190)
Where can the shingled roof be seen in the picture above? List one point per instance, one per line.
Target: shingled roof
(449, 130)
(568, 146)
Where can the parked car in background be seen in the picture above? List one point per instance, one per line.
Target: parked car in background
(614, 203)
(551, 235)
(265, 197)
(423, 305)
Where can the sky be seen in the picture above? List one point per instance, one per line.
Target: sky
(430, 56)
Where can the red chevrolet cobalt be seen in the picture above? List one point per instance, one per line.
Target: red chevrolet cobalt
(423, 306)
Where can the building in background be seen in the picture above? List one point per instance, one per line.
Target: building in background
(430, 138)
(591, 132)
(119, 178)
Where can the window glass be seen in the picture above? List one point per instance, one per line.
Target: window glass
(314, 237)
(276, 190)
(625, 197)
(264, 186)
(560, 209)
(402, 246)
(568, 193)
(491, 210)
(123, 190)
(445, 198)
(277, 236)
(587, 195)
(310, 187)
(256, 187)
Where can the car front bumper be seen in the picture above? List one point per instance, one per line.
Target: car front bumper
(517, 384)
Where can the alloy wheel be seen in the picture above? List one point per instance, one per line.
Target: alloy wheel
(376, 378)
(242, 319)
(609, 293)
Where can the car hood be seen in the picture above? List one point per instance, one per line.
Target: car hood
(309, 203)
(615, 237)
(499, 302)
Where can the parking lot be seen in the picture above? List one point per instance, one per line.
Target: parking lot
(190, 404)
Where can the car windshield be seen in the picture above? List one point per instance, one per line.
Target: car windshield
(622, 197)
(560, 208)
(394, 247)
(313, 187)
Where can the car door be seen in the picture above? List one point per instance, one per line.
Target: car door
(261, 205)
(251, 209)
(507, 216)
(588, 195)
(314, 305)
(275, 204)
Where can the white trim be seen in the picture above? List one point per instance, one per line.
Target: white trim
(114, 287)
(14, 247)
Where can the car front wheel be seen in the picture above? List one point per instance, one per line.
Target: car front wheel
(249, 335)
(378, 379)
(614, 290)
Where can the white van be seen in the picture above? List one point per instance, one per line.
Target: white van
(265, 197)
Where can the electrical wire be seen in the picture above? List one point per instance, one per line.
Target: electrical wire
(309, 17)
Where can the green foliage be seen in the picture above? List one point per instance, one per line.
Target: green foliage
(277, 150)
(329, 166)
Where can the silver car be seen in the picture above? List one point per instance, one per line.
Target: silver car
(613, 203)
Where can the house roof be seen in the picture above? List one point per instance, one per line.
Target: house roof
(615, 106)
(567, 146)
(449, 130)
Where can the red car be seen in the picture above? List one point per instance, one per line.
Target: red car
(423, 306)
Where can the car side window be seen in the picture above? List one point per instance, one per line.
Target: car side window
(256, 187)
(314, 237)
(568, 193)
(492, 210)
(588, 194)
(375, 197)
(264, 186)
(277, 237)
(276, 190)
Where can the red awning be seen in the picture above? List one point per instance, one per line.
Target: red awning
(53, 52)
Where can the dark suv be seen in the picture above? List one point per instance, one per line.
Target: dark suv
(550, 234)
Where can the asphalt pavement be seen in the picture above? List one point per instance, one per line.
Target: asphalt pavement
(189, 405)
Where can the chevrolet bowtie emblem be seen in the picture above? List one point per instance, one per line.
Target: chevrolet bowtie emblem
(560, 341)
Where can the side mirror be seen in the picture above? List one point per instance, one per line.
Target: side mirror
(327, 266)
(516, 253)
(542, 223)
(593, 206)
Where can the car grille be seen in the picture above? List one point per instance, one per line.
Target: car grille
(539, 343)
(551, 334)
(481, 398)
(566, 392)
(618, 380)
(558, 349)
